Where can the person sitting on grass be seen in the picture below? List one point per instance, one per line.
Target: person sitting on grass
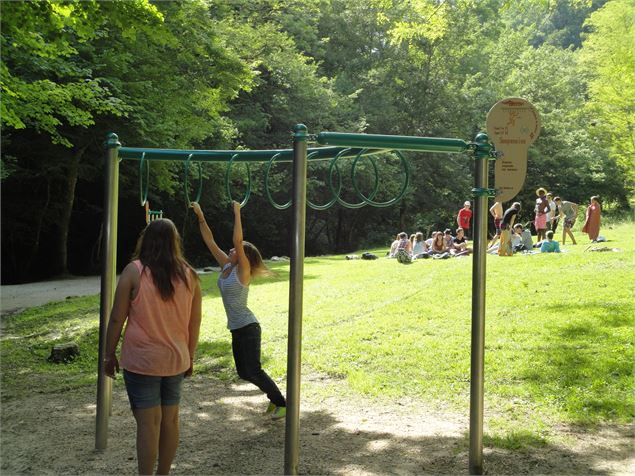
(438, 249)
(448, 238)
(459, 244)
(393, 247)
(419, 247)
(404, 248)
(549, 245)
(526, 243)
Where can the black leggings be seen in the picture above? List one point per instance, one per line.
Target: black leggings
(246, 350)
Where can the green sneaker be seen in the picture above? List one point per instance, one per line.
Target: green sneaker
(270, 408)
(279, 412)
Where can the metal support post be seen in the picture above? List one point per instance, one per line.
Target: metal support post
(108, 276)
(292, 434)
(478, 303)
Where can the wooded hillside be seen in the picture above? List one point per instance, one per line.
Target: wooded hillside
(234, 74)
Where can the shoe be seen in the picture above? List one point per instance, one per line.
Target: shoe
(279, 412)
(270, 408)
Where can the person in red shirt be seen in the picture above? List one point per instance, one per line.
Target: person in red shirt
(464, 218)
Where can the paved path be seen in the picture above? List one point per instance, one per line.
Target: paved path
(14, 297)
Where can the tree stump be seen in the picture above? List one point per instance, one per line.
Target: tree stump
(62, 353)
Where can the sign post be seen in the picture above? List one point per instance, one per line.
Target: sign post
(513, 124)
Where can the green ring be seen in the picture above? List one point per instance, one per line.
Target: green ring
(273, 203)
(332, 202)
(340, 200)
(227, 176)
(143, 192)
(369, 200)
(186, 184)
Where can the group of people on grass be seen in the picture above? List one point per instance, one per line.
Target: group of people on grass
(440, 245)
(549, 211)
(158, 298)
(509, 237)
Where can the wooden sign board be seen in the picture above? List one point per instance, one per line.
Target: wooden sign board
(513, 124)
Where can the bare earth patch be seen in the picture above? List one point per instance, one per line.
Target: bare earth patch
(223, 431)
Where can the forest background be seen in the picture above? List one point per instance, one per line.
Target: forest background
(211, 74)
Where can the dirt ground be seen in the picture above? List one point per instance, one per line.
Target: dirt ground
(224, 431)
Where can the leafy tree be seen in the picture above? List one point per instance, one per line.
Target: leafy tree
(607, 59)
(171, 89)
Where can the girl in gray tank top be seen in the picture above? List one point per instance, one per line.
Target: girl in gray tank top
(242, 262)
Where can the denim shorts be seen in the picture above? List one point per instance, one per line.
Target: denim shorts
(147, 391)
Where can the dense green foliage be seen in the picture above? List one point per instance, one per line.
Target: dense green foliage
(559, 335)
(225, 75)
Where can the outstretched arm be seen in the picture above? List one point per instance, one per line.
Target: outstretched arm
(208, 237)
(244, 268)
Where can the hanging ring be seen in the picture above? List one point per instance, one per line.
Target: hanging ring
(227, 177)
(369, 200)
(143, 190)
(333, 200)
(186, 184)
(273, 203)
(340, 200)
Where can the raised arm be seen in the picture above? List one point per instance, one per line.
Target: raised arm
(244, 268)
(208, 237)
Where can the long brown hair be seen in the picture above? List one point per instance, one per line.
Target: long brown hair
(256, 264)
(159, 247)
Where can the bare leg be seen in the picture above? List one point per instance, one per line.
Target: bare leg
(148, 427)
(564, 235)
(568, 230)
(169, 439)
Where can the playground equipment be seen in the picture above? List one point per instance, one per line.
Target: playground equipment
(338, 145)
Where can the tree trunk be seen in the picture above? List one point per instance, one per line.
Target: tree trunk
(67, 199)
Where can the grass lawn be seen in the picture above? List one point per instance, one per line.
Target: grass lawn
(559, 335)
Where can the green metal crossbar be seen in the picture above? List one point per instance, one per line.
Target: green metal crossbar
(339, 145)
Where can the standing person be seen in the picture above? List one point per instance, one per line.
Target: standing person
(238, 267)
(159, 296)
(464, 217)
(568, 212)
(593, 218)
(541, 209)
(552, 216)
(496, 211)
(509, 217)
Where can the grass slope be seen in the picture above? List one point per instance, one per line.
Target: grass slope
(559, 335)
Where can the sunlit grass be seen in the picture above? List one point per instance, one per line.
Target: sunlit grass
(559, 335)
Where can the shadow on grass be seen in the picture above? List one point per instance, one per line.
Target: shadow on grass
(584, 366)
